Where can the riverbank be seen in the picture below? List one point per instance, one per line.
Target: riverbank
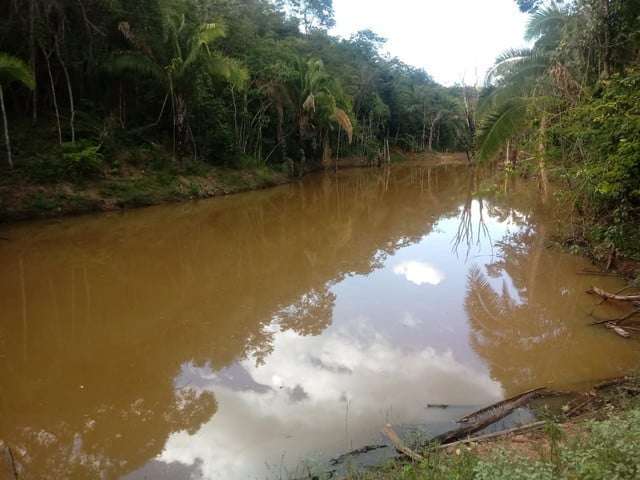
(32, 193)
(600, 443)
(21, 199)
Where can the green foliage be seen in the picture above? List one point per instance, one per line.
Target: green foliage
(13, 69)
(606, 127)
(607, 449)
(501, 125)
(81, 160)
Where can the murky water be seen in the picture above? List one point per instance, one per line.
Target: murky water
(248, 336)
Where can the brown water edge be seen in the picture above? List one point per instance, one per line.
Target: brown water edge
(241, 336)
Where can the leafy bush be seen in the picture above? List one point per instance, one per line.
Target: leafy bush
(607, 449)
(72, 162)
(81, 160)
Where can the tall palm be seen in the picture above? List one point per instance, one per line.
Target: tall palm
(175, 63)
(320, 103)
(12, 69)
(522, 84)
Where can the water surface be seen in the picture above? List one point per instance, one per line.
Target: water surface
(261, 335)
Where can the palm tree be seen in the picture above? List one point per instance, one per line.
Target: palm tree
(524, 86)
(319, 102)
(174, 65)
(12, 69)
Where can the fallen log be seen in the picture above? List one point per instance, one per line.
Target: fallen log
(613, 296)
(399, 444)
(500, 404)
(612, 382)
(491, 436)
(489, 415)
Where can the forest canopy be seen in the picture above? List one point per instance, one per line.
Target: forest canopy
(227, 82)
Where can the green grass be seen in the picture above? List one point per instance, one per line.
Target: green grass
(607, 449)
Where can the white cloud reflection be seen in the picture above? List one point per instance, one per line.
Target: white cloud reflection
(419, 273)
(301, 410)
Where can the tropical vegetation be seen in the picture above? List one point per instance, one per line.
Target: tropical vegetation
(567, 108)
(229, 83)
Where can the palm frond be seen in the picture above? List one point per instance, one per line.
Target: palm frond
(544, 20)
(516, 65)
(229, 69)
(499, 126)
(134, 63)
(12, 69)
(341, 117)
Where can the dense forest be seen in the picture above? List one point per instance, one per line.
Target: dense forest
(240, 83)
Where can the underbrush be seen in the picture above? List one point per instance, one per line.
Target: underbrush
(605, 449)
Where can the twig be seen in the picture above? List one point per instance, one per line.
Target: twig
(399, 445)
(490, 436)
(595, 273)
(617, 320)
(613, 296)
(580, 406)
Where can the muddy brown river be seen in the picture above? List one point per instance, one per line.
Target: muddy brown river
(261, 335)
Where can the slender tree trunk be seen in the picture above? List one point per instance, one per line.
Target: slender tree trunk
(6, 128)
(72, 107)
(338, 149)
(53, 93)
(435, 122)
(181, 121)
(606, 67)
(280, 130)
(32, 46)
(542, 153)
(507, 159)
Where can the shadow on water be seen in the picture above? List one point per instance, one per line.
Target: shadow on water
(239, 337)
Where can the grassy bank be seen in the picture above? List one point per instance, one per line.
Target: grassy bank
(71, 186)
(604, 447)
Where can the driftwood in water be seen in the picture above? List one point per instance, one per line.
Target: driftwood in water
(597, 273)
(613, 382)
(473, 416)
(616, 320)
(399, 444)
(613, 296)
(491, 436)
(489, 415)
(618, 330)
(8, 466)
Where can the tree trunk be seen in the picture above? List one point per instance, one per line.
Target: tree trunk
(6, 128)
(32, 46)
(53, 93)
(70, 90)
(606, 67)
(181, 121)
(507, 160)
(542, 153)
(280, 130)
(431, 130)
